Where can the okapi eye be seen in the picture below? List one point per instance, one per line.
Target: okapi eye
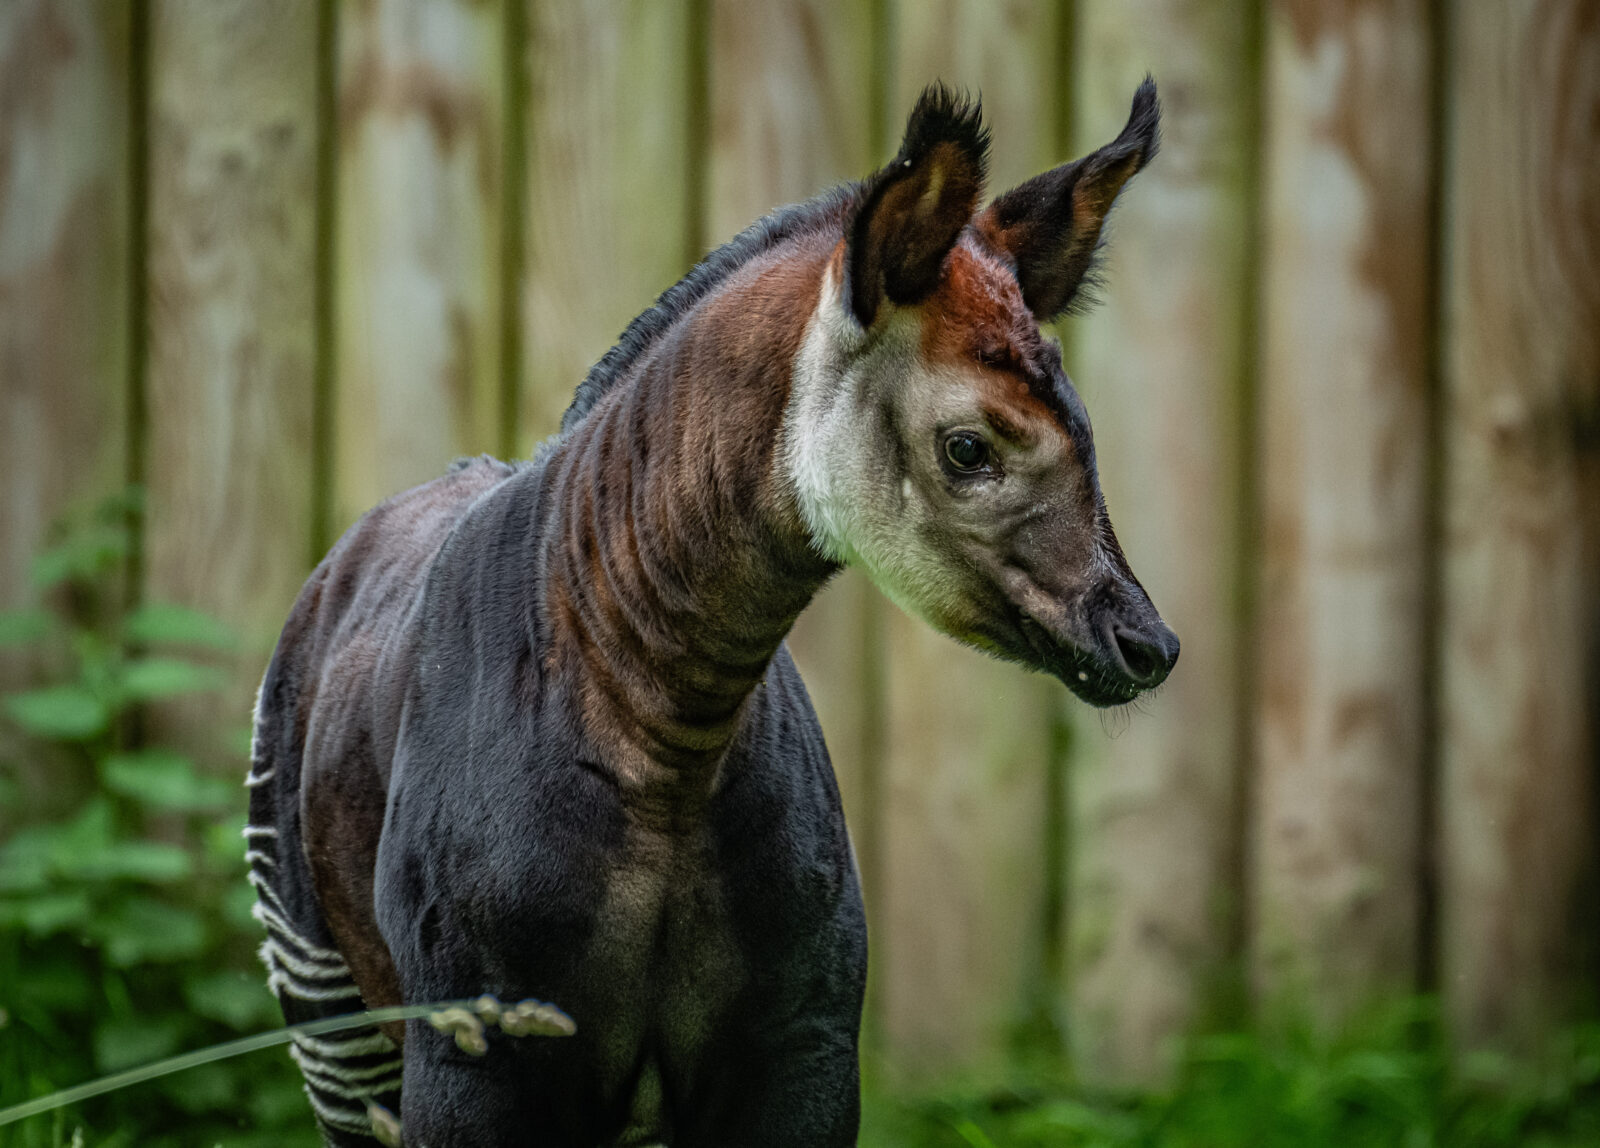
(966, 451)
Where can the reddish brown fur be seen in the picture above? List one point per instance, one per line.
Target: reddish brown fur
(703, 418)
(977, 316)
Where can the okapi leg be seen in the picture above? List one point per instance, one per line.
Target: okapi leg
(346, 1071)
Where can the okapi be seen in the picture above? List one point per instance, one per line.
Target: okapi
(531, 729)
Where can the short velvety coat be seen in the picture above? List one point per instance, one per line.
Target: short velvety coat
(531, 729)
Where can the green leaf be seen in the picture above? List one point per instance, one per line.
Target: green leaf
(87, 833)
(25, 860)
(164, 779)
(237, 903)
(224, 843)
(147, 679)
(139, 929)
(153, 861)
(87, 848)
(19, 627)
(120, 1044)
(202, 1091)
(56, 984)
(234, 998)
(276, 1103)
(158, 622)
(59, 713)
(46, 913)
(86, 554)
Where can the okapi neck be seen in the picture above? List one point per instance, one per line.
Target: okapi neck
(678, 563)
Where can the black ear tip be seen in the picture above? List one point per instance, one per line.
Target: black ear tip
(944, 115)
(1144, 118)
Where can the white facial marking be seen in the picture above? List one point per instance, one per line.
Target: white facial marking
(835, 460)
(811, 423)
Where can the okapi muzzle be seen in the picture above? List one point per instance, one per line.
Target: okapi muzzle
(934, 438)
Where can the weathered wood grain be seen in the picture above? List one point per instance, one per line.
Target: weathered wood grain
(606, 182)
(790, 106)
(1003, 52)
(233, 128)
(420, 92)
(1161, 367)
(63, 248)
(961, 943)
(64, 241)
(1519, 650)
(1346, 326)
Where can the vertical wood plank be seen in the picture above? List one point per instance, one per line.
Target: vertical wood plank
(1520, 592)
(607, 166)
(420, 97)
(233, 133)
(962, 944)
(64, 240)
(1003, 52)
(1346, 327)
(1162, 371)
(63, 248)
(790, 106)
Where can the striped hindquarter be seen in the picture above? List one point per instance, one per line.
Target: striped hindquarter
(347, 1073)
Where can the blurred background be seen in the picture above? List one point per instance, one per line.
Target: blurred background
(264, 263)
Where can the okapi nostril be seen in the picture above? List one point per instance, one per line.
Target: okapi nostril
(1145, 662)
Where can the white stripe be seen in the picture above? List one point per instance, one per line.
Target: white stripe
(272, 953)
(338, 1116)
(313, 1063)
(254, 855)
(277, 979)
(264, 913)
(280, 930)
(274, 916)
(254, 779)
(324, 1081)
(352, 1091)
(250, 831)
(361, 1091)
(298, 964)
(267, 893)
(344, 1047)
(255, 722)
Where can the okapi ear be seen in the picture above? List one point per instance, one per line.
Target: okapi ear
(913, 210)
(1050, 226)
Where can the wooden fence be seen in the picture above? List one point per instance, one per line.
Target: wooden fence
(275, 260)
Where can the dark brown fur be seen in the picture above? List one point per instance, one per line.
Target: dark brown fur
(531, 730)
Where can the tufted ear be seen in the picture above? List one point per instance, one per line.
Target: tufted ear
(913, 210)
(1050, 226)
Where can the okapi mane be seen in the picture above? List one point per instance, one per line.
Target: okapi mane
(830, 208)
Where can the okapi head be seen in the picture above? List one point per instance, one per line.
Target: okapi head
(932, 436)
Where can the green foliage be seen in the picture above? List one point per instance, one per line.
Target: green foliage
(124, 915)
(1392, 1085)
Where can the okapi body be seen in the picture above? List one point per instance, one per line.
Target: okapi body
(531, 729)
